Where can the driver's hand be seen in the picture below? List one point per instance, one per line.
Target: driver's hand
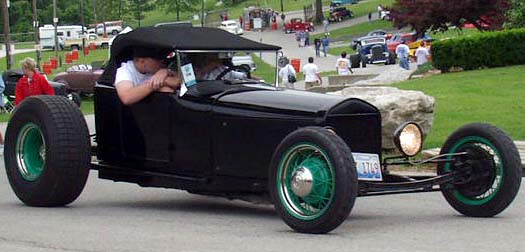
(157, 80)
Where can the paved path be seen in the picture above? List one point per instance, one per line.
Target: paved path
(386, 74)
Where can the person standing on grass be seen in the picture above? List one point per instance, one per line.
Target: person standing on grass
(325, 25)
(370, 17)
(422, 54)
(311, 74)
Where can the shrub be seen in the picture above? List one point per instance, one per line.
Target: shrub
(488, 49)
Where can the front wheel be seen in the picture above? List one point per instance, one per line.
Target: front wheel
(313, 180)
(490, 171)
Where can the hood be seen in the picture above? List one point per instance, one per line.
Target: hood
(289, 101)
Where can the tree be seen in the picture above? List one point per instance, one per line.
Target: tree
(178, 6)
(137, 8)
(438, 15)
(516, 15)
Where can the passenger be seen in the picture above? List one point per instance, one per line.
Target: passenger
(32, 83)
(143, 75)
(213, 66)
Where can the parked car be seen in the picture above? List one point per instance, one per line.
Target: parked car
(339, 14)
(245, 61)
(309, 154)
(373, 33)
(336, 3)
(80, 79)
(11, 78)
(372, 50)
(393, 42)
(297, 24)
(231, 26)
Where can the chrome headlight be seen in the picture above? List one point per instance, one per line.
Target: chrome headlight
(409, 138)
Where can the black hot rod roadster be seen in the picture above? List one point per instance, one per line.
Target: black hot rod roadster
(310, 154)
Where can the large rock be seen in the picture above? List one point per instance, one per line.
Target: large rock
(397, 107)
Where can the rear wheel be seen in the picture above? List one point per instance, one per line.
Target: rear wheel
(47, 151)
(492, 170)
(313, 180)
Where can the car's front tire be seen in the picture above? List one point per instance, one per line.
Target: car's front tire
(493, 170)
(313, 180)
(47, 151)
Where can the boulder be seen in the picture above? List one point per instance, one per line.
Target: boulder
(397, 107)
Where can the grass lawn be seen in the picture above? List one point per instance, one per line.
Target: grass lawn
(96, 55)
(490, 95)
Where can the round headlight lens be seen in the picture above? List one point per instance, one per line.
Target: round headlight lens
(409, 138)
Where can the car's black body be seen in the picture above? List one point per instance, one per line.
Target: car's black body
(222, 142)
(240, 139)
(339, 14)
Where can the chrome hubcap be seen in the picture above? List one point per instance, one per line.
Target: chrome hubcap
(302, 182)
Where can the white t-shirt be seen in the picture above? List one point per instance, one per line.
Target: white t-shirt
(310, 72)
(402, 51)
(128, 72)
(422, 54)
(342, 65)
(285, 72)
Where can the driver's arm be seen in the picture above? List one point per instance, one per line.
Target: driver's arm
(130, 94)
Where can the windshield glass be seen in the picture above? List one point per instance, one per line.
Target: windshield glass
(232, 67)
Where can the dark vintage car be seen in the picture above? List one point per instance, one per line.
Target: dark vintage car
(309, 154)
(79, 80)
(339, 14)
(11, 78)
(372, 50)
(297, 24)
(374, 33)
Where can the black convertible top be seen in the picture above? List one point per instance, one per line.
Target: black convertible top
(167, 38)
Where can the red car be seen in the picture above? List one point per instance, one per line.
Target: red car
(396, 40)
(297, 24)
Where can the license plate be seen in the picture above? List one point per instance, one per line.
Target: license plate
(368, 166)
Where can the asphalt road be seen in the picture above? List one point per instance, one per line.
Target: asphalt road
(112, 216)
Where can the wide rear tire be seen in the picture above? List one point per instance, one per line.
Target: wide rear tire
(495, 167)
(313, 180)
(47, 151)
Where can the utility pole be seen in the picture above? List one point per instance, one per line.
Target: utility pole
(282, 7)
(37, 36)
(95, 15)
(82, 23)
(7, 38)
(202, 13)
(55, 23)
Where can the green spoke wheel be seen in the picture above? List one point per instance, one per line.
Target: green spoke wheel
(490, 170)
(313, 181)
(306, 181)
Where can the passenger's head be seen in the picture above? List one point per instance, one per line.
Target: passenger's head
(28, 66)
(343, 55)
(310, 59)
(423, 43)
(148, 60)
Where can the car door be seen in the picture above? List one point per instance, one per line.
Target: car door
(145, 132)
(191, 135)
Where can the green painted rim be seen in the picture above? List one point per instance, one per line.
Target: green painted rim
(321, 196)
(479, 142)
(30, 152)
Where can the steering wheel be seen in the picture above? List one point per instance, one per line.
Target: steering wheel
(234, 68)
